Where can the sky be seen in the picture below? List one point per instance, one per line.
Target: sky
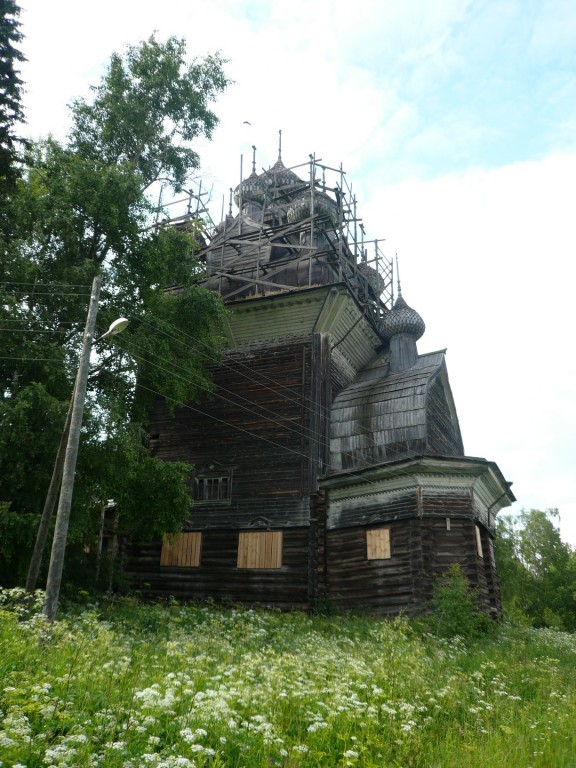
(455, 121)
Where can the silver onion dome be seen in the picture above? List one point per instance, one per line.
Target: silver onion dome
(402, 319)
(253, 189)
(281, 177)
(374, 278)
(323, 206)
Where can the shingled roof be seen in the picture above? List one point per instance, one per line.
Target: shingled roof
(383, 416)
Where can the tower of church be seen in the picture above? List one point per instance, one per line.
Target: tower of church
(328, 461)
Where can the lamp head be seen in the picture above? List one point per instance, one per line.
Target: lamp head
(116, 327)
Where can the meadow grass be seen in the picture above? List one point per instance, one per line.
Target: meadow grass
(179, 686)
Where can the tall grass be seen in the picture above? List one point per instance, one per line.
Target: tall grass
(164, 686)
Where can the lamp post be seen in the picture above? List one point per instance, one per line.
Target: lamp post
(74, 424)
(51, 497)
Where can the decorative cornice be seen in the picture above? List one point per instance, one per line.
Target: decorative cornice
(436, 474)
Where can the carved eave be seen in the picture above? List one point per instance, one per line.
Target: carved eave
(374, 488)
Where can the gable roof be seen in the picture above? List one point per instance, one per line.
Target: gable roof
(383, 416)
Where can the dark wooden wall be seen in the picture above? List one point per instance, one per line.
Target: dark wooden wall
(422, 548)
(257, 422)
(218, 577)
(268, 421)
(354, 582)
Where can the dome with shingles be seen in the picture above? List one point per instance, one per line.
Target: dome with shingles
(281, 177)
(373, 277)
(324, 205)
(402, 319)
(257, 187)
(253, 189)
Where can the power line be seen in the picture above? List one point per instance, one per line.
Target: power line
(34, 359)
(306, 434)
(47, 293)
(302, 400)
(26, 320)
(46, 285)
(187, 406)
(33, 330)
(239, 364)
(223, 421)
(264, 411)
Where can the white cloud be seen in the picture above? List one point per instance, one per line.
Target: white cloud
(487, 259)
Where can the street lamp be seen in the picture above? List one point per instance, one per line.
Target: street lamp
(116, 327)
(36, 560)
(76, 412)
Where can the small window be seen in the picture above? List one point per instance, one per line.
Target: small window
(479, 550)
(262, 549)
(378, 544)
(213, 488)
(181, 550)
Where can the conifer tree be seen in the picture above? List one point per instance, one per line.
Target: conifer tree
(11, 111)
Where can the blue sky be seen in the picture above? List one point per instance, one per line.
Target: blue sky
(456, 123)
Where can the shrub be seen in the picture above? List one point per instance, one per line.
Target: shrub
(456, 610)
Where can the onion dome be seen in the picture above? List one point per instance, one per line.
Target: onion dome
(401, 319)
(324, 205)
(373, 277)
(253, 189)
(281, 177)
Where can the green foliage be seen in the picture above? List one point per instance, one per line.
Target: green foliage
(11, 112)
(31, 426)
(17, 532)
(121, 684)
(81, 209)
(537, 570)
(147, 483)
(455, 605)
(149, 106)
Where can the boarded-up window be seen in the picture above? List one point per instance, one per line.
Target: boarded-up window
(378, 544)
(181, 550)
(479, 549)
(261, 549)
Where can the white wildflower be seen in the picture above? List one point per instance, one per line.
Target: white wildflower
(116, 744)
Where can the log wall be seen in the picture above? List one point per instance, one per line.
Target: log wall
(218, 576)
(257, 423)
(423, 548)
(354, 582)
(267, 423)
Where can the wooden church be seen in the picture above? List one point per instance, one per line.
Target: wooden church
(329, 464)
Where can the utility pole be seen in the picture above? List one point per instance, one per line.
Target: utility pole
(65, 502)
(49, 505)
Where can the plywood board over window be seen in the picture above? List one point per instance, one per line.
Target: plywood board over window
(479, 550)
(260, 549)
(378, 544)
(181, 550)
